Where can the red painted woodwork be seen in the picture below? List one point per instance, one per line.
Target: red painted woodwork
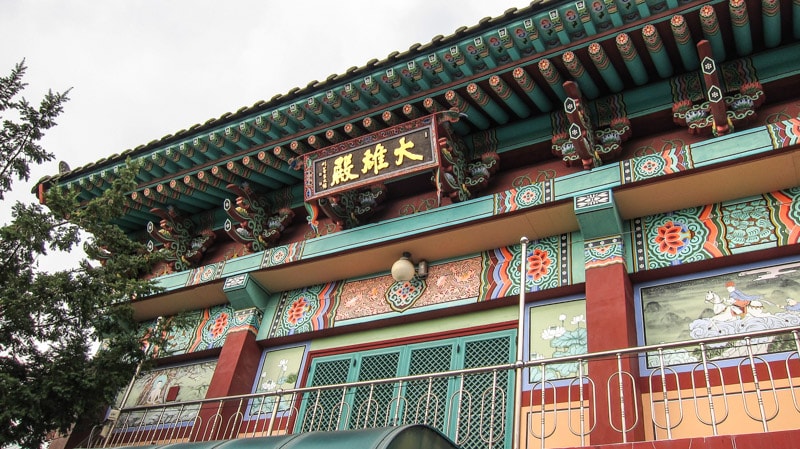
(611, 324)
(236, 368)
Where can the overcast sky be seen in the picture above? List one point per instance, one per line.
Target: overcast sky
(140, 70)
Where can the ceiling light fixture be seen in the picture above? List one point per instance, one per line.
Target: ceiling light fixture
(403, 269)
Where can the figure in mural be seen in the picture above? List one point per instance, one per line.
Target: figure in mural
(741, 302)
(791, 306)
(673, 313)
(737, 304)
(155, 394)
(152, 388)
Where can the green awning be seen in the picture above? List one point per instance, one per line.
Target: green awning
(415, 436)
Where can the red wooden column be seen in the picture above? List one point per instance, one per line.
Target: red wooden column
(236, 369)
(610, 320)
(611, 324)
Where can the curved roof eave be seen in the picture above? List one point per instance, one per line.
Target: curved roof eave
(295, 93)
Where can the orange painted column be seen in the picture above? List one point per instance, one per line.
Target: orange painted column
(236, 369)
(611, 324)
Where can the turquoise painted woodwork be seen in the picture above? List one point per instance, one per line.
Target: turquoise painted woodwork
(572, 23)
(553, 78)
(578, 72)
(531, 89)
(603, 252)
(678, 159)
(712, 151)
(505, 93)
(456, 59)
(660, 240)
(711, 31)
(796, 19)
(598, 215)
(473, 115)
(604, 66)
(487, 103)
(243, 292)
(188, 150)
(479, 51)
(638, 102)
(683, 39)
(771, 18)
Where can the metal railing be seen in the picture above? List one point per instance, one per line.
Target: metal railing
(474, 407)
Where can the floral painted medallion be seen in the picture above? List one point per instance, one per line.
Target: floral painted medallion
(402, 295)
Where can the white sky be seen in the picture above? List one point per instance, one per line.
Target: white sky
(142, 69)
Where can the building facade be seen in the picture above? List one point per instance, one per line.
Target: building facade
(635, 166)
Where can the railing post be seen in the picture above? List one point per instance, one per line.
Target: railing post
(792, 389)
(582, 432)
(622, 385)
(519, 370)
(543, 420)
(796, 337)
(622, 400)
(342, 405)
(665, 392)
(396, 420)
(756, 385)
(457, 409)
(492, 407)
(712, 412)
(274, 414)
(314, 410)
(581, 393)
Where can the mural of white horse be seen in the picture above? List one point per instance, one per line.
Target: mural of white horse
(725, 310)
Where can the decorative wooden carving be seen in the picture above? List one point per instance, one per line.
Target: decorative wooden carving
(459, 177)
(254, 221)
(577, 141)
(354, 207)
(726, 102)
(183, 245)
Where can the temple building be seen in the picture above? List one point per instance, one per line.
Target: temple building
(573, 224)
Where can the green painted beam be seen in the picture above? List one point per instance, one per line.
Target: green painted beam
(597, 218)
(771, 20)
(597, 214)
(796, 20)
(401, 227)
(243, 292)
(655, 47)
(686, 46)
(711, 31)
(631, 59)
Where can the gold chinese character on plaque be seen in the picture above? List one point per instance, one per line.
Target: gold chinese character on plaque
(375, 161)
(343, 170)
(402, 152)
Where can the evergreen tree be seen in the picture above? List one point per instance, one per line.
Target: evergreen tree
(68, 340)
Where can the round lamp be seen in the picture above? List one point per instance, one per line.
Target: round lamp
(403, 269)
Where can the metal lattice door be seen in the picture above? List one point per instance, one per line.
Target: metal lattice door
(426, 401)
(486, 417)
(320, 410)
(371, 405)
